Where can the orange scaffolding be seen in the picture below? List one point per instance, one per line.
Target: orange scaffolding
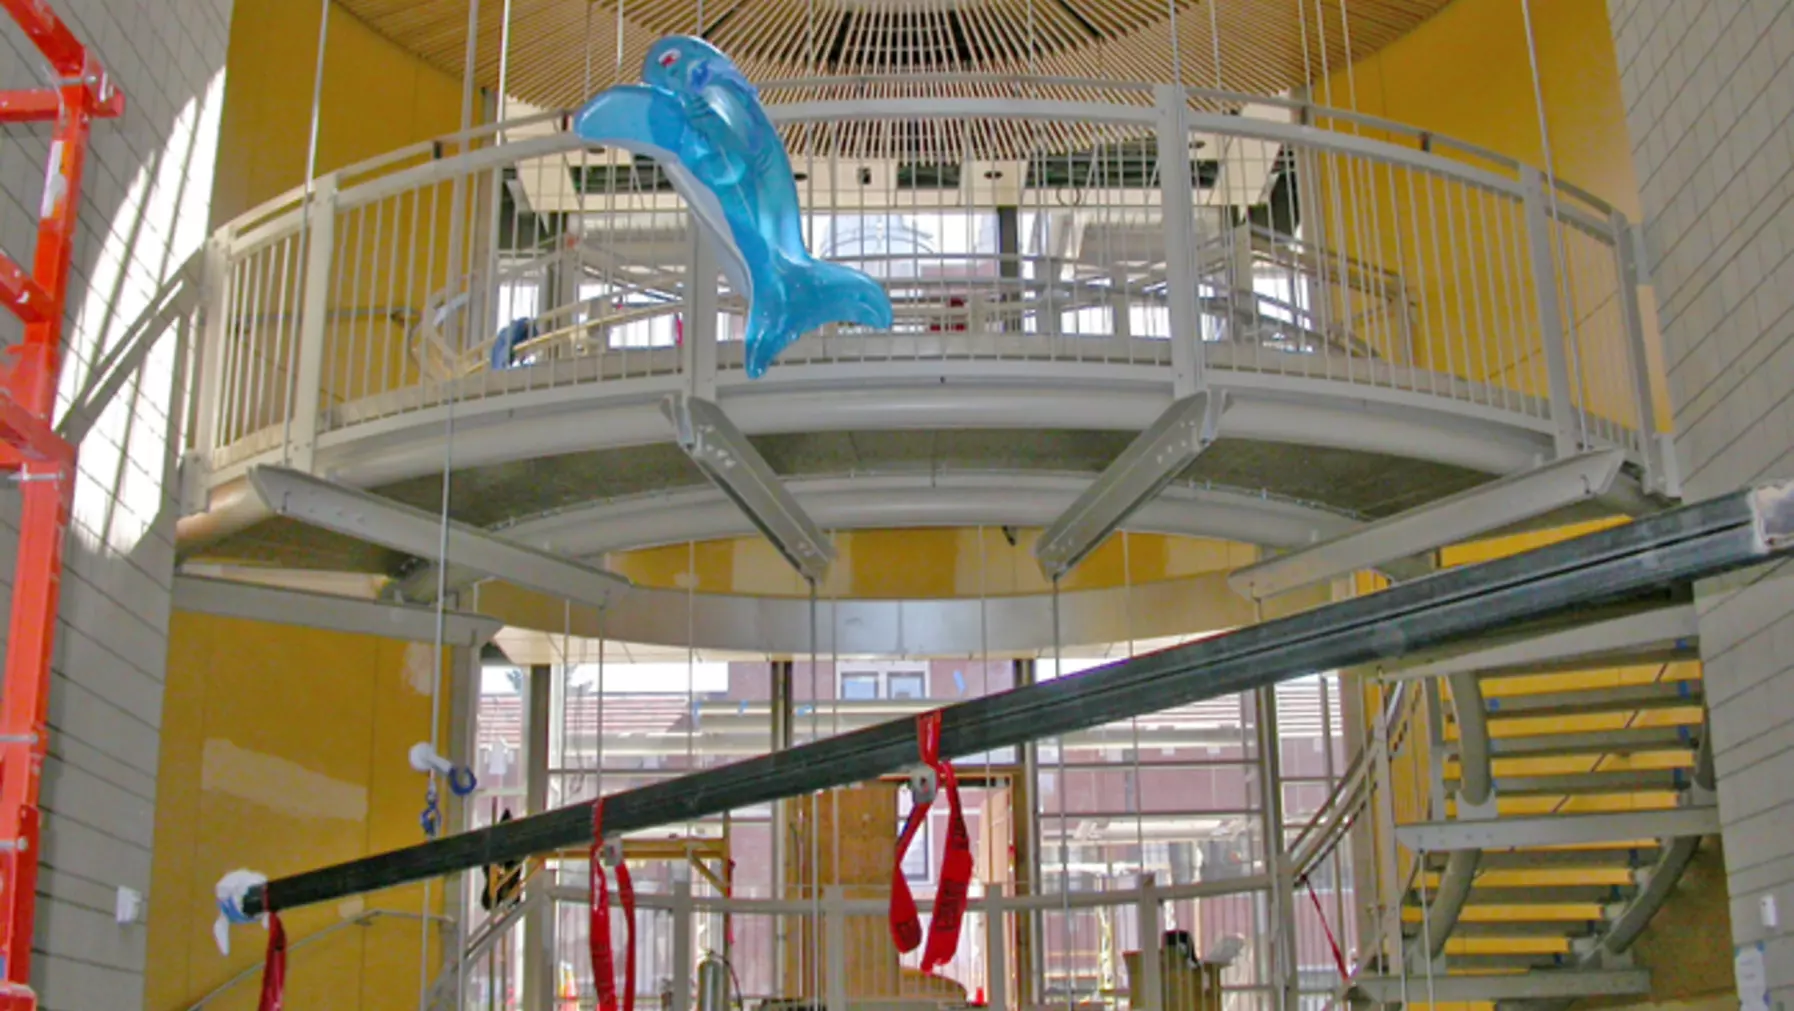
(41, 461)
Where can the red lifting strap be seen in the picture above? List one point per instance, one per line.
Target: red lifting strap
(604, 969)
(274, 967)
(956, 866)
(1339, 960)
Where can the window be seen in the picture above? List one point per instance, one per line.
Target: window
(907, 685)
(866, 682)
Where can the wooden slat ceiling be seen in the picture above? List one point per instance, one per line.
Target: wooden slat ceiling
(563, 51)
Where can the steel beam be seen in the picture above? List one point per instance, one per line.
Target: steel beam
(1741, 529)
(732, 463)
(125, 359)
(229, 598)
(1558, 829)
(1658, 635)
(378, 520)
(1519, 986)
(1143, 469)
(1471, 513)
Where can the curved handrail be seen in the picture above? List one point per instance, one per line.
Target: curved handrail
(1333, 819)
(363, 919)
(1379, 340)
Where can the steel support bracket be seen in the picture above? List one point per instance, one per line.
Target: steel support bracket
(1143, 469)
(738, 470)
(1558, 830)
(1518, 986)
(231, 598)
(378, 520)
(1470, 513)
(1655, 636)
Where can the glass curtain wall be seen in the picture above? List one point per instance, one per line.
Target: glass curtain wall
(1178, 795)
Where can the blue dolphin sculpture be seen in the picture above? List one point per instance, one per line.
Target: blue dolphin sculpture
(702, 121)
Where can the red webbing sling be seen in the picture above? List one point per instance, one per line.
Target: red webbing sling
(956, 865)
(604, 969)
(274, 966)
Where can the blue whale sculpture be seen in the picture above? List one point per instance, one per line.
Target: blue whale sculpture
(702, 121)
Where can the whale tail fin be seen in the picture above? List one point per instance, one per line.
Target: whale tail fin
(817, 293)
(824, 292)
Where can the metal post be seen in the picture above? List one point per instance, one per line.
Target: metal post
(781, 721)
(1362, 837)
(215, 284)
(1121, 324)
(1177, 200)
(464, 694)
(1152, 985)
(1551, 322)
(314, 315)
(1389, 875)
(1283, 920)
(538, 930)
(697, 353)
(1435, 739)
(682, 930)
(1029, 962)
(834, 934)
(996, 965)
(1009, 264)
(1627, 277)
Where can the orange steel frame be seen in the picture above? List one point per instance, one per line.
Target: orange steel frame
(41, 461)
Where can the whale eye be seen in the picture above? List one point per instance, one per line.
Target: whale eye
(668, 58)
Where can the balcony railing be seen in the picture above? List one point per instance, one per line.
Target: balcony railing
(1222, 240)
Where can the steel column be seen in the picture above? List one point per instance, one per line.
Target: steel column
(1284, 965)
(1389, 873)
(538, 958)
(1151, 927)
(1030, 964)
(697, 349)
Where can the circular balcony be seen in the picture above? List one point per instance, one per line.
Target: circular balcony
(1384, 318)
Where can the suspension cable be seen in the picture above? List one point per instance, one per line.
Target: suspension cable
(1558, 240)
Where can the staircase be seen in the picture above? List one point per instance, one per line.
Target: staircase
(1573, 794)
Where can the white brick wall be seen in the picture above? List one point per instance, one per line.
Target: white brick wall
(1709, 88)
(146, 197)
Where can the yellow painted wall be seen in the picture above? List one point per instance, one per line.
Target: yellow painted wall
(284, 749)
(933, 562)
(1465, 74)
(376, 97)
(393, 255)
